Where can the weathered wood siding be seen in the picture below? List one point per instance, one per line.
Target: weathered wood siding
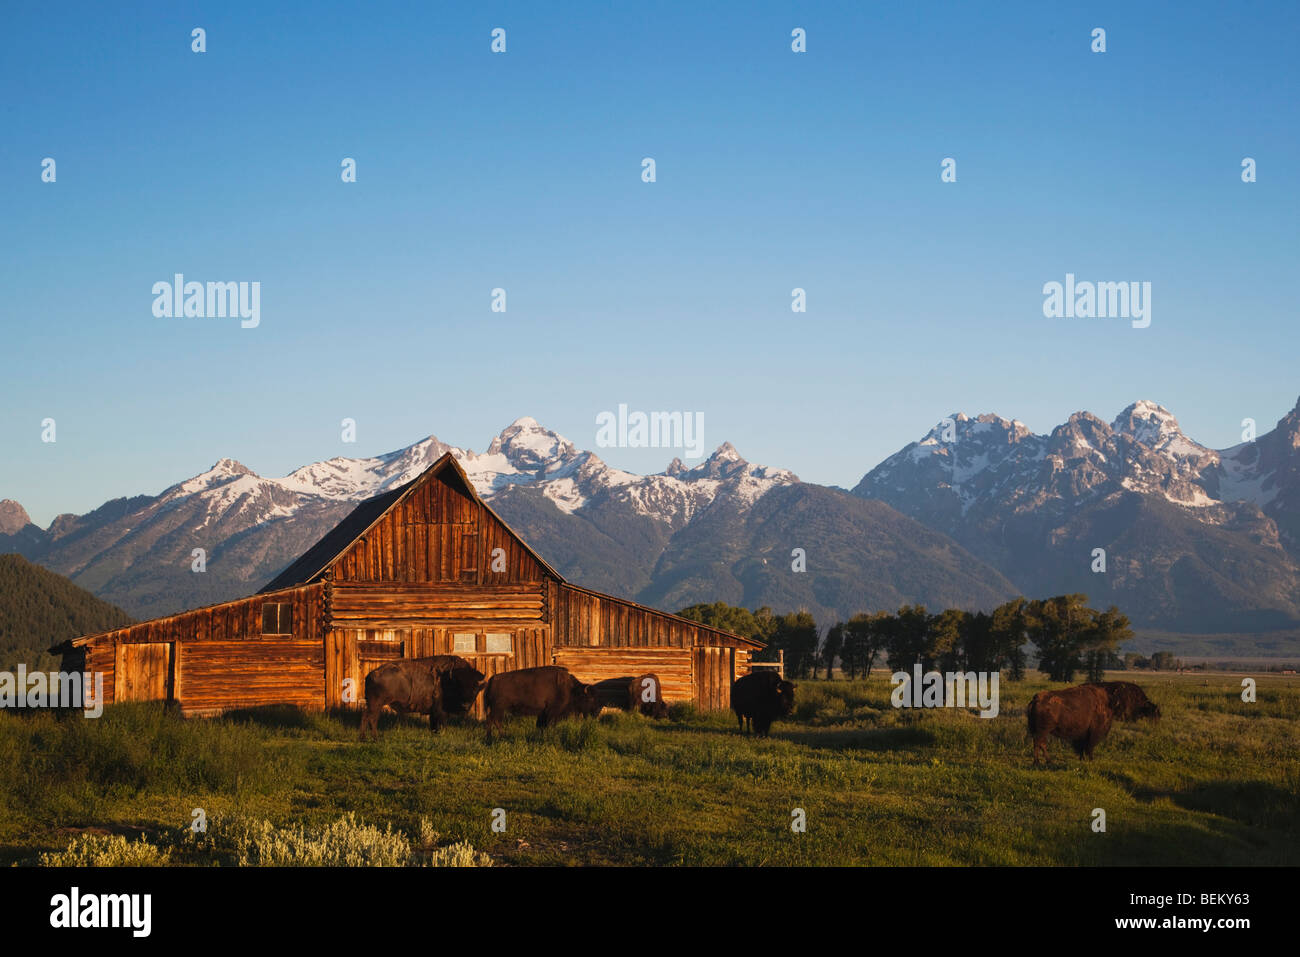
(582, 619)
(394, 604)
(743, 658)
(143, 671)
(715, 670)
(219, 676)
(99, 655)
(672, 665)
(439, 532)
(216, 658)
(585, 618)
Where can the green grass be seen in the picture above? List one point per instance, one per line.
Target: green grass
(1216, 782)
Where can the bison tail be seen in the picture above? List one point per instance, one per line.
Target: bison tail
(1032, 716)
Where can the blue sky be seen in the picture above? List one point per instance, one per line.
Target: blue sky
(774, 170)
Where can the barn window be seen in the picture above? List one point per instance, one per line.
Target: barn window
(464, 643)
(277, 618)
(499, 643)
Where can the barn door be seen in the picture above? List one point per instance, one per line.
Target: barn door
(379, 646)
(143, 672)
(714, 671)
(352, 653)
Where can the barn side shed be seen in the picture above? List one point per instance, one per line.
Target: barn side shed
(427, 568)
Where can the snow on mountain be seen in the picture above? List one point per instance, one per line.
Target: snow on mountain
(994, 460)
(524, 453)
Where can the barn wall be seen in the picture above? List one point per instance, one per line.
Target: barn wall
(438, 533)
(216, 658)
(232, 620)
(672, 665)
(97, 655)
(715, 670)
(398, 604)
(606, 636)
(221, 675)
(590, 619)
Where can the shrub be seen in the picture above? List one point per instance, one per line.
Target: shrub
(342, 843)
(106, 850)
(250, 842)
(460, 854)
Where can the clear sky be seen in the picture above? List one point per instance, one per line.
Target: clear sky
(522, 170)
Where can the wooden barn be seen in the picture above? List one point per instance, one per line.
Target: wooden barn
(428, 568)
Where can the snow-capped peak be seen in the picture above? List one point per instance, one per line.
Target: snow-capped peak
(1154, 426)
(528, 446)
(525, 453)
(230, 467)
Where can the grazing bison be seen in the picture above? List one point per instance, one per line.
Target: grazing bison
(759, 698)
(1079, 715)
(646, 694)
(550, 692)
(643, 694)
(435, 686)
(1128, 702)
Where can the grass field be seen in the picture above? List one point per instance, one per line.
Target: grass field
(1216, 782)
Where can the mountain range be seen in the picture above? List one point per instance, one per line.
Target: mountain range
(976, 511)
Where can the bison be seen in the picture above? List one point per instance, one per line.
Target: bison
(550, 692)
(643, 694)
(646, 694)
(435, 686)
(759, 698)
(1079, 715)
(1128, 702)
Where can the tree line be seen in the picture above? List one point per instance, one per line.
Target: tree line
(1067, 635)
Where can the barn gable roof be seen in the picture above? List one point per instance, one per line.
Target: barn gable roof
(316, 560)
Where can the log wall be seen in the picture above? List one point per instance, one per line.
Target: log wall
(672, 665)
(585, 618)
(615, 630)
(215, 658)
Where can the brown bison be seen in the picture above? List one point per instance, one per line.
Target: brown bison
(759, 698)
(435, 686)
(642, 694)
(646, 694)
(550, 692)
(1079, 715)
(1128, 702)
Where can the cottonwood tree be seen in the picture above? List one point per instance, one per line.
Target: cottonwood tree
(1108, 630)
(1008, 634)
(907, 639)
(832, 647)
(796, 635)
(864, 638)
(1060, 629)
